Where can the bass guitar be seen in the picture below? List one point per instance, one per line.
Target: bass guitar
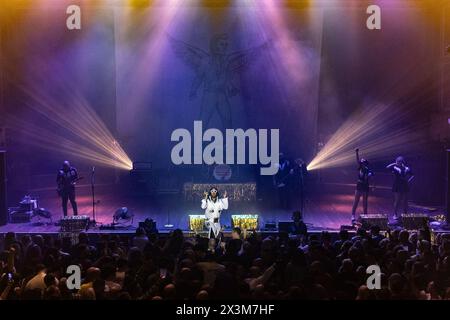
(60, 188)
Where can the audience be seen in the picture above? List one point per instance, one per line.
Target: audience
(244, 266)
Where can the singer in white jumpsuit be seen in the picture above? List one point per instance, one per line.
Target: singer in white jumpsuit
(213, 207)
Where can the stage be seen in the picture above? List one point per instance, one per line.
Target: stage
(327, 211)
(159, 100)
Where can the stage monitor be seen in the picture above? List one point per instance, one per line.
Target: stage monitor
(415, 221)
(376, 219)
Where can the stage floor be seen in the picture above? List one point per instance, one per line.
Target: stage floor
(321, 212)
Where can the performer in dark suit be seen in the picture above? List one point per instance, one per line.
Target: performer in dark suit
(283, 182)
(66, 180)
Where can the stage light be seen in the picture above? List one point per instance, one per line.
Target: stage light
(377, 130)
(140, 3)
(122, 215)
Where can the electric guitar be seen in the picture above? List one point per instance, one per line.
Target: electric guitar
(60, 188)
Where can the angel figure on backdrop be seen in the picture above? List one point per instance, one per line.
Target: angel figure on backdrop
(215, 72)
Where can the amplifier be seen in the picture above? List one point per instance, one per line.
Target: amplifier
(74, 223)
(414, 221)
(19, 216)
(380, 220)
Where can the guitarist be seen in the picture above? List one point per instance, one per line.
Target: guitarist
(66, 180)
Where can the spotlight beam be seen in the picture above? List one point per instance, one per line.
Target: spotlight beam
(44, 138)
(376, 129)
(90, 129)
(87, 138)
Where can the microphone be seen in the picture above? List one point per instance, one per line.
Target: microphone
(92, 175)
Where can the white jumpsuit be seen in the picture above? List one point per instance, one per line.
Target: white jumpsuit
(212, 214)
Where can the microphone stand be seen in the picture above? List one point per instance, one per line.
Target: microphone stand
(93, 223)
(169, 202)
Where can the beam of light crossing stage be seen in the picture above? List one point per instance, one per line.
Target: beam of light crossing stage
(157, 20)
(377, 130)
(87, 138)
(291, 55)
(380, 128)
(46, 139)
(291, 59)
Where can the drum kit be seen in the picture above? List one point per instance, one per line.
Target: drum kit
(29, 211)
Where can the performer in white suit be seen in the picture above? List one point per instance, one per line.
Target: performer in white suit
(213, 207)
